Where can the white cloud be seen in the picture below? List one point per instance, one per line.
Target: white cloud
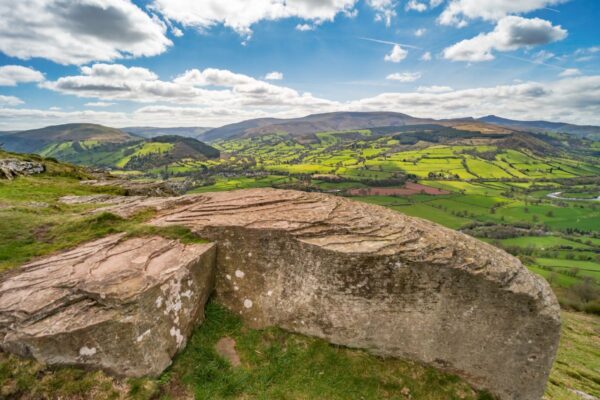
(569, 72)
(458, 11)
(543, 56)
(396, 55)
(572, 99)
(177, 32)
(274, 76)
(434, 89)
(511, 33)
(10, 100)
(586, 54)
(241, 15)
(420, 32)
(384, 10)
(305, 27)
(99, 104)
(208, 88)
(11, 75)
(404, 76)
(415, 5)
(426, 56)
(77, 32)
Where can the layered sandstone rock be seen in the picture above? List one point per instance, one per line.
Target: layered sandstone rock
(122, 305)
(10, 168)
(367, 277)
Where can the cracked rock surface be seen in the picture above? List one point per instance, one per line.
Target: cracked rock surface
(122, 305)
(367, 277)
(10, 168)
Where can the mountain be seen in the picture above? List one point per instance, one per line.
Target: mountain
(140, 154)
(306, 127)
(36, 140)
(101, 146)
(584, 131)
(150, 132)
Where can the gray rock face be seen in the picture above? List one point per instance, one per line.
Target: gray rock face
(367, 277)
(10, 168)
(122, 305)
(356, 275)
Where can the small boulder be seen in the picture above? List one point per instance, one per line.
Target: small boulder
(122, 305)
(10, 168)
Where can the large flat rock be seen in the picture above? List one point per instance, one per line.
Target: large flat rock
(368, 277)
(122, 305)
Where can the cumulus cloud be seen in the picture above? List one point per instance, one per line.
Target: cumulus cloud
(209, 87)
(426, 56)
(305, 27)
(420, 32)
(511, 33)
(99, 104)
(396, 55)
(458, 11)
(11, 75)
(415, 5)
(571, 99)
(384, 10)
(575, 100)
(77, 32)
(241, 15)
(404, 76)
(434, 89)
(570, 72)
(274, 76)
(10, 100)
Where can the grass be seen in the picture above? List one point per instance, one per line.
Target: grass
(275, 365)
(281, 365)
(34, 223)
(577, 366)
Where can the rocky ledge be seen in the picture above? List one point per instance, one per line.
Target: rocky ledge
(354, 274)
(122, 305)
(10, 168)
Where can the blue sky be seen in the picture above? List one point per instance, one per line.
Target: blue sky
(208, 62)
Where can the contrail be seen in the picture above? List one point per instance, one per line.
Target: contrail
(391, 43)
(534, 61)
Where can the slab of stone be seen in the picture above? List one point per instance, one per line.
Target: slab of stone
(367, 277)
(10, 168)
(122, 305)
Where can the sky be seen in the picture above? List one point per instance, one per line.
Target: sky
(213, 62)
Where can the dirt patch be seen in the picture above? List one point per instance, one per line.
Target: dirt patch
(42, 233)
(408, 189)
(225, 347)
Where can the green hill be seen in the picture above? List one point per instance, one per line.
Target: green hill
(101, 146)
(36, 140)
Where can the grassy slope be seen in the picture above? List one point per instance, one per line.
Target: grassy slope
(276, 364)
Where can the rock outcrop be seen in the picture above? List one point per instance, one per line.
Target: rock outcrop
(10, 168)
(122, 305)
(367, 277)
(140, 188)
